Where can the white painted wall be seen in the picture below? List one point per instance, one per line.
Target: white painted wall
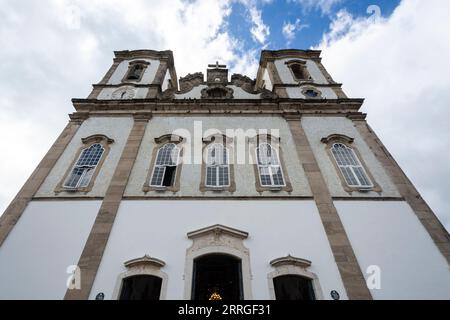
(191, 173)
(317, 128)
(115, 128)
(389, 234)
(275, 229)
(286, 74)
(238, 93)
(48, 238)
(122, 68)
(266, 78)
(165, 83)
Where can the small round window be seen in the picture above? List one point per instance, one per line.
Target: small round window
(310, 93)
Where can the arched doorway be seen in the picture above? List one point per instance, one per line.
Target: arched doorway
(141, 287)
(217, 277)
(293, 287)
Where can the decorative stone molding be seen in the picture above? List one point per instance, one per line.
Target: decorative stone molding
(227, 142)
(253, 143)
(271, 55)
(145, 265)
(243, 82)
(160, 141)
(190, 81)
(145, 260)
(227, 92)
(217, 230)
(218, 239)
(335, 107)
(290, 260)
(95, 138)
(347, 141)
(290, 265)
(267, 94)
(337, 137)
(102, 139)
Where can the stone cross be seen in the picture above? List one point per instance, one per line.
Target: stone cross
(217, 65)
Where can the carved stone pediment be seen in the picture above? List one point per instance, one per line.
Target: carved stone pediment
(290, 260)
(217, 91)
(168, 94)
(267, 94)
(146, 260)
(243, 82)
(217, 230)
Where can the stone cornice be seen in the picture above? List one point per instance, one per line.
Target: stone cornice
(290, 261)
(269, 55)
(309, 83)
(218, 229)
(146, 260)
(344, 107)
(122, 84)
(150, 54)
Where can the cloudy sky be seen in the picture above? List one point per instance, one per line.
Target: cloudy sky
(393, 53)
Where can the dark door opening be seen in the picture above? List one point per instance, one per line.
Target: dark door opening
(293, 287)
(217, 277)
(142, 287)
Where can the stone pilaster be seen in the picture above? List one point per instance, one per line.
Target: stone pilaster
(276, 80)
(14, 211)
(96, 243)
(407, 190)
(344, 256)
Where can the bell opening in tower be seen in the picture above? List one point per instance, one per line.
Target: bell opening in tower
(217, 277)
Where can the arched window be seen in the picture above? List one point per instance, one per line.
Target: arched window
(165, 166)
(297, 70)
(291, 280)
(293, 287)
(136, 70)
(269, 167)
(84, 168)
(142, 280)
(217, 166)
(350, 166)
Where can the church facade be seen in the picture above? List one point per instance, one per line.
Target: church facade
(220, 187)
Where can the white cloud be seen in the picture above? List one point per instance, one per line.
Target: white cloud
(325, 6)
(399, 65)
(290, 29)
(259, 30)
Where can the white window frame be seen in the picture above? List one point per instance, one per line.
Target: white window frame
(217, 166)
(85, 168)
(164, 166)
(270, 167)
(352, 167)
